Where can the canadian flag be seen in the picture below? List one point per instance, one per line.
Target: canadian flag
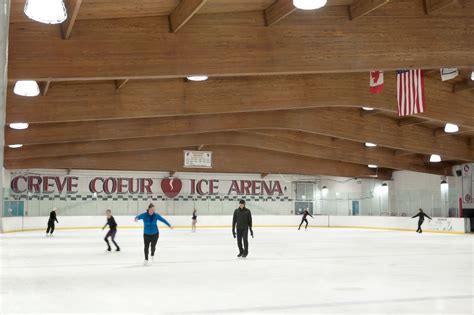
(376, 82)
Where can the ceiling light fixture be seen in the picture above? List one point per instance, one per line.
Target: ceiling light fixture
(15, 146)
(19, 126)
(368, 108)
(46, 11)
(444, 184)
(197, 78)
(372, 166)
(370, 145)
(435, 158)
(26, 88)
(451, 128)
(472, 75)
(309, 4)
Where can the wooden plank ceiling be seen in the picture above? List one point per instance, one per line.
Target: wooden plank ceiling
(285, 91)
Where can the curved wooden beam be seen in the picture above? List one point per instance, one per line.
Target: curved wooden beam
(339, 123)
(158, 98)
(225, 160)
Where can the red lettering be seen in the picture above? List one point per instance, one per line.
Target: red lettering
(111, 181)
(92, 185)
(256, 187)
(268, 190)
(234, 187)
(193, 188)
(60, 185)
(199, 187)
(72, 183)
(34, 184)
(213, 187)
(14, 184)
(146, 185)
(47, 185)
(277, 188)
(120, 186)
(130, 186)
(246, 184)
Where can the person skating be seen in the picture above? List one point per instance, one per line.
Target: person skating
(194, 221)
(421, 218)
(112, 231)
(243, 221)
(51, 222)
(305, 214)
(150, 230)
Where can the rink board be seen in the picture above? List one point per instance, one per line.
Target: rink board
(438, 225)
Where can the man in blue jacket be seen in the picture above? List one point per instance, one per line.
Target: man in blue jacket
(150, 230)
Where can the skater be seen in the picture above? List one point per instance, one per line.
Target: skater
(243, 220)
(151, 233)
(112, 231)
(51, 222)
(194, 220)
(421, 218)
(305, 214)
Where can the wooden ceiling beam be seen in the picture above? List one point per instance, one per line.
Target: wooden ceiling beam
(363, 7)
(410, 121)
(402, 153)
(348, 152)
(185, 10)
(120, 83)
(464, 86)
(432, 6)
(269, 51)
(278, 11)
(225, 160)
(364, 113)
(72, 7)
(44, 87)
(158, 98)
(333, 122)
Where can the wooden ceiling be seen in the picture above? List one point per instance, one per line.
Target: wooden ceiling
(284, 95)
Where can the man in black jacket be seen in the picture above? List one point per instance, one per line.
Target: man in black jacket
(52, 219)
(421, 218)
(243, 220)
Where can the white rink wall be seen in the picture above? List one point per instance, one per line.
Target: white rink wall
(448, 225)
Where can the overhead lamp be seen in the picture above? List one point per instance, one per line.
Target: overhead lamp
(46, 11)
(197, 78)
(384, 187)
(309, 4)
(26, 88)
(324, 190)
(370, 145)
(451, 128)
(19, 126)
(15, 146)
(372, 166)
(368, 108)
(444, 184)
(435, 158)
(472, 75)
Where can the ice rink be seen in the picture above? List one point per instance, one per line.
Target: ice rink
(321, 271)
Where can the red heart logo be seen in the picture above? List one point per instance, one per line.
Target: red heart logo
(171, 186)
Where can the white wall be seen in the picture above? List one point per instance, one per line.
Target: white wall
(454, 225)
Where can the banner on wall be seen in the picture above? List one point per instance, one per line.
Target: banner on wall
(467, 185)
(171, 187)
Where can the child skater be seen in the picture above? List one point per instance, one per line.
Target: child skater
(421, 218)
(305, 214)
(194, 220)
(150, 230)
(51, 221)
(112, 231)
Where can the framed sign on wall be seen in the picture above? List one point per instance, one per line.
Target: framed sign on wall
(197, 159)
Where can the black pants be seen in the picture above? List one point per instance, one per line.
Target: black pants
(304, 220)
(243, 235)
(150, 239)
(50, 227)
(420, 222)
(111, 233)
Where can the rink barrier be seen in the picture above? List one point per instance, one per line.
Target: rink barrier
(438, 225)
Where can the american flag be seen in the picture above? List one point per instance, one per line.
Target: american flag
(410, 92)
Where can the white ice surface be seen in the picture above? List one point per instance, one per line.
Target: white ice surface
(321, 271)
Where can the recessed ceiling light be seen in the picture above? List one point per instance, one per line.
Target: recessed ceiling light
(309, 4)
(197, 78)
(26, 88)
(19, 126)
(435, 158)
(370, 144)
(368, 108)
(372, 166)
(472, 75)
(15, 146)
(451, 128)
(46, 11)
